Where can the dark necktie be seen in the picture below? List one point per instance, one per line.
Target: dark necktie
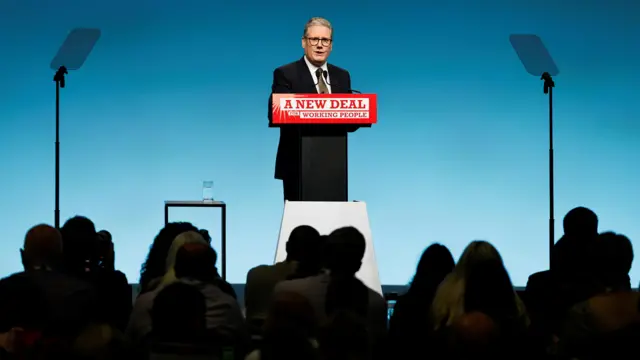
(322, 85)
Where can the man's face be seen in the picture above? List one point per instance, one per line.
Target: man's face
(317, 44)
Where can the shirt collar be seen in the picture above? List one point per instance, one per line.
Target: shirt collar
(313, 68)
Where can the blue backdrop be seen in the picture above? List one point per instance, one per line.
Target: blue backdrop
(174, 93)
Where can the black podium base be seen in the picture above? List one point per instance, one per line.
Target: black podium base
(323, 167)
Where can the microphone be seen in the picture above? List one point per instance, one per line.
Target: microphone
(325, 74)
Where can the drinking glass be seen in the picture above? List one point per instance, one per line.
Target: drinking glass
(207, 190)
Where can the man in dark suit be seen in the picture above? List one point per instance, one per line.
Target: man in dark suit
(309, 75)
(550, 293)
(43, 298)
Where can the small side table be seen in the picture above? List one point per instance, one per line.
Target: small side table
(223, 223)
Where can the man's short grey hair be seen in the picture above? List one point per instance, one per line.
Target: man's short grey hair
(317, 21)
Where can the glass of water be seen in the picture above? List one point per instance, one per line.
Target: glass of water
(207, 190)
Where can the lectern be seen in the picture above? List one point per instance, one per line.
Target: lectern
(323, 122)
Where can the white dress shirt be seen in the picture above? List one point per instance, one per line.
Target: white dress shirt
(313, 68)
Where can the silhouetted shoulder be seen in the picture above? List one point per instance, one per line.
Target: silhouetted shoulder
(257, 270)
(260, 268)
(541, 278)
(288, 68)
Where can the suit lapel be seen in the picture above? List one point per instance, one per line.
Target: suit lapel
(306, 80)
(334, 79)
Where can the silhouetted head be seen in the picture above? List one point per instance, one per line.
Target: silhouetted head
(105, 235)
(311, 261)
(474, 335)
(179, 314)
(345, 250)
(580, 222)
(79, 240)
(488, 289)
(196, 261)
(613, 257)
(435, 264)
(476, 252)
(154, 265)
(105, 252)
(205, 235)
(345, 292)
(297, 243)
(42, 248)
(186, 238)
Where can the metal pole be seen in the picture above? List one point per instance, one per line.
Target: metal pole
(549, 84)
(57, 165)
(551, 176)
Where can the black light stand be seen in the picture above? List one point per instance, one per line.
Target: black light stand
(59, 79)
(549, 84)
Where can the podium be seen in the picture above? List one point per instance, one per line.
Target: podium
(322, 123)
(326, 217)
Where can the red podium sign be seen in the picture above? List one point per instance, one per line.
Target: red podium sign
(324, 109)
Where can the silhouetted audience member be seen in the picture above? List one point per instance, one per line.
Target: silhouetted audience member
(42, 301)
(179, 315)
(81, 242)
(612, 260)
(23, 316)
(311, 262)
(179, 325)
(613, 309)
(154, 266)
(449, 302)
(79, 237)
(345, 250)
(290, 330)
(196, 266)
(261, 280)
(580, 222)
(220, 282)
(475, 336)
(409, 325)
(105, 251)
(198, 261)
(549, 294)
(339, 289)
(140, 320)
(116, 281)
(489, 290)
(191, 261)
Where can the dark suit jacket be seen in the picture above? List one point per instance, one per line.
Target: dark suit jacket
(295, 78)
(45, 299)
